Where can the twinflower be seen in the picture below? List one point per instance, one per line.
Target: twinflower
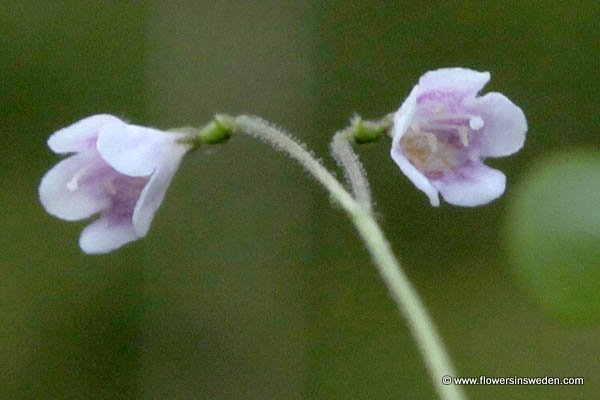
(118, 170)
(443, 130)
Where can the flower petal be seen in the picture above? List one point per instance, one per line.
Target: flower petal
(404, 117)
(504, 127)
(461, 81)
(81, 135)
(417, 178)
(72, 204)
(106, 234)
(471, 185)
(134, 150)
(154, 191)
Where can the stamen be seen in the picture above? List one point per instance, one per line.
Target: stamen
(425, 145)
(476, 123)
(439, 128)
(452, 117)
(463, 135)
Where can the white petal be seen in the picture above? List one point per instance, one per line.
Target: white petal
(81, 135)
(134, 150)
(462, 81)
(505, 124)
(404, 117)
(105, 234)
(472, 185)
(417, 178)
(71, 205)
(154, 191)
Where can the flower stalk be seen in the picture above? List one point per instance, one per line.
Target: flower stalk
(401, 290)
(355, 174)
(359, 132)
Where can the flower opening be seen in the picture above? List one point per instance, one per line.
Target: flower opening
(443, 130)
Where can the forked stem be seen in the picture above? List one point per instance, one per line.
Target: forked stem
(422, 327)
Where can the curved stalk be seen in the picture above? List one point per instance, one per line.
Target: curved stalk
(401, 290)
(355, 174)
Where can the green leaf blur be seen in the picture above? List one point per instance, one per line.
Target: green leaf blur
(554, 234)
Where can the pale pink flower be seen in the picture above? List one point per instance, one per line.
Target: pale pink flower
(443, 130)
(119, 170)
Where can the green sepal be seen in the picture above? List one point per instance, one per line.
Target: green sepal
(366, 131)
(217, 131)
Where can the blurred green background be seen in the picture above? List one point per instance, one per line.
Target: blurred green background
(250, 285)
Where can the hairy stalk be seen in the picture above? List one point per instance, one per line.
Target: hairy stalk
(355, 174)
(402, 292)
(283, 142)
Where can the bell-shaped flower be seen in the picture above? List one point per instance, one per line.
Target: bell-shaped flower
(443, 130)
(118, 170)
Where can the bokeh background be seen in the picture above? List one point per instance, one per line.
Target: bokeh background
(250, 285)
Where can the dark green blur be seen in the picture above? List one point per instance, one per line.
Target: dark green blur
(250, 285)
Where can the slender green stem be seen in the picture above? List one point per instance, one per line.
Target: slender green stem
(283, 142)
(401, 290)
(355, 174)
(404, 294)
